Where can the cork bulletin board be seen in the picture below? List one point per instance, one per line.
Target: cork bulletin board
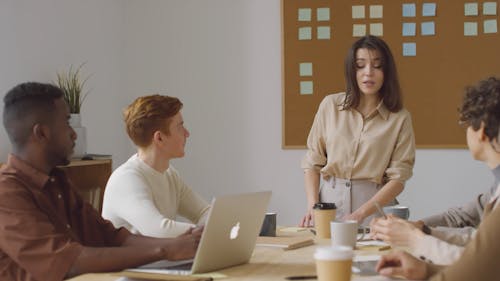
(440, 46)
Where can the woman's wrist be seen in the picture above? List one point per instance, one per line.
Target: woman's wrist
(415, 236)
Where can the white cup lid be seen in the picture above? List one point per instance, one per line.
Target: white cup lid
(334, 253)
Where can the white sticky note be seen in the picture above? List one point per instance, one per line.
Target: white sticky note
(490, 26)
(358, 12)
(409, 49)
(306, 87)
(306, 69)
(427, 28)
(323, 32)
(470, 28)
(305, 33)
(304, 14)
(490, 8)
(409, 29)
(358, 30)
(409, 10)
(471, 9)
(323, 14)
(376, 11)
(376, 29)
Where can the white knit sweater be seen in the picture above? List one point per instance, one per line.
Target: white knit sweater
(147, 202)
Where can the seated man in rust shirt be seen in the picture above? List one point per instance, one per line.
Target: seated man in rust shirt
(47, 232)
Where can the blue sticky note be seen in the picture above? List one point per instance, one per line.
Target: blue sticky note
(409, 49)
(427, 28)
(470, 9)
(409, 10)
(470, 28)
(305, 33)
(490, 26)
(490, 8)
(429, 9)
(304, 14)
(409, 29)
(306, 69)
(306, 87)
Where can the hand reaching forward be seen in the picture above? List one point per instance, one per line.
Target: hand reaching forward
(183, 246)
(402, 264)
(395, 231)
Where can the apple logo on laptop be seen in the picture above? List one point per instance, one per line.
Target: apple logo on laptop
(234, 231)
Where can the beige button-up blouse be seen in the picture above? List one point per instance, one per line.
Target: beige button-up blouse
(344, 144)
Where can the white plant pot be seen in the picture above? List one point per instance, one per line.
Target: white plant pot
(81, 140)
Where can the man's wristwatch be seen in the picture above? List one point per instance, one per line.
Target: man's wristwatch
(426, 229)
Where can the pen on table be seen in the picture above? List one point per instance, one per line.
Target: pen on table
(380, 210)
(388, 247)
(301, 277)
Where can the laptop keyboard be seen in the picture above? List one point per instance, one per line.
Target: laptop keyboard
(182, 266)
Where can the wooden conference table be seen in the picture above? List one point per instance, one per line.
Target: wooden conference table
(268, 263)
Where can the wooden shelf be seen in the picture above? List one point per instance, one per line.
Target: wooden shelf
(90, 178)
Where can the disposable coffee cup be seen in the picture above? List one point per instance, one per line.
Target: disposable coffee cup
(398, 211)
(334, 263)
(269, 225)
(324, 213)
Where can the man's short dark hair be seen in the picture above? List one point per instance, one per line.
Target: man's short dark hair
(26, 105)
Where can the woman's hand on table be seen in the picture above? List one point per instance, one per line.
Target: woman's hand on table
(308, 219)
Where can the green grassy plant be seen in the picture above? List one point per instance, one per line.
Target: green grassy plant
(72, 86)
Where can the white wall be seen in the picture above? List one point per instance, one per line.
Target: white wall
(222, 58)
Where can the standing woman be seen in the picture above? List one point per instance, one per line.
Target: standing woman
(361, 141)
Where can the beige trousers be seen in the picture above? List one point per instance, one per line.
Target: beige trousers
(348, 195)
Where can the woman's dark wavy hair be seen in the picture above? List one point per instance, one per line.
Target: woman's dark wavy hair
(390, 93)
(481, 104)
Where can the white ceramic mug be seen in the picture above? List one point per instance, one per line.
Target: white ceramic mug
(398, 211)
(344, 233)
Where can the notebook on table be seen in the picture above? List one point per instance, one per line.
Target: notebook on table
(228, 239)
(286, 243)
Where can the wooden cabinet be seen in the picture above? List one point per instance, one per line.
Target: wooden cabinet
(90, 178)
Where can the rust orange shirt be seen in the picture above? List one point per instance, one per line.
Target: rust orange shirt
(44, 224)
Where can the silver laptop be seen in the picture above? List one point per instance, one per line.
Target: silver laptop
(228, 239)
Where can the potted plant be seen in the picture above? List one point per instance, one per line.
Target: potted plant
(72, 86)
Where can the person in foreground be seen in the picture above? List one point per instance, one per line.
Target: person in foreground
(440, 238)
(46, 231)
(147, 181)
(480, 112)
(361, 142)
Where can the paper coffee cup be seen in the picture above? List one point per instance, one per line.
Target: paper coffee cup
(334, 263)
(324, 213)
